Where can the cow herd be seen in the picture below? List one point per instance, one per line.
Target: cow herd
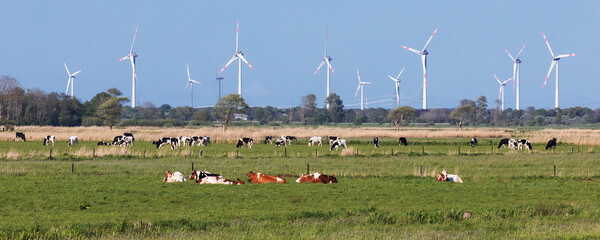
(201, 177)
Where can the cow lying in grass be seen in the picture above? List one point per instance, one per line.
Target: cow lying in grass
(263, 178)
(174, 177)
(316, 178)
(445, 177)
(211, 178)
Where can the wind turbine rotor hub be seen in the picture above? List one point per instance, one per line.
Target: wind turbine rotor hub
(556, 59)
(518, 60)
(425, 52)
(329, 58)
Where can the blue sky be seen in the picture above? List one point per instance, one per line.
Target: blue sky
(284, 41)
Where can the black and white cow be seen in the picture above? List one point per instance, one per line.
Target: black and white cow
(205, 141)
(48, 139)
(512, 143)
(163, 141)
(503, 142)
(104, 144)
(523, 143)
(376, 142)
(117, 140)
(269, 140)
(73, 140)
(129, 135)
(195, 140)
(280, 142)
(288, 139)
(402, 141)
(332, 139)
(474, 142)
(242, 141)
(185, 140)
(337, 143)
(315, 140)
(126, 141)
(551, 144)
(19, 136)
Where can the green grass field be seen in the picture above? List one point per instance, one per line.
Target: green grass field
(388, 193)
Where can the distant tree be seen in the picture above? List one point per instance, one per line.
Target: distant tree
(110, 110)
(336, 108)
(227, 106)
(481, 113)
(149, 111)
(357, 121)
(9, 102)
(164, 110)
(401, 114)
(309, 105)
(202, 117)
(462, 114)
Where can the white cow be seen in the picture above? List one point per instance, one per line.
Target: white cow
(314, 140)
(512, 143)
(445, 177)
(174, 177)
(337, 143)
(72, 140)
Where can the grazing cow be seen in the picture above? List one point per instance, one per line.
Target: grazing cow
(289, 139)
(337, 143)
(524, 143)
(376, 142)
(19, 136)
(126, 141)
(104, 144)
(512, 143)
(117, 140)
(48, 139)
(269, 140)
(551, 144)
(280, 142)
(316, 178)
(445, 177)
(73, 140)
(247, 141)
(503, 142)
(129, 135)
(263, 178)
(474, 142)
(331, 139)
(195, 140)
(163, 141)
(174, 177)
(402, 141)
(205, 141)
(184, 140)
(315, 140)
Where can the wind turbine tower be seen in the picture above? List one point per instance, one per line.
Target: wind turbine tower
(71, 81)
(131, 56)
(218, 79)
(517, 73)
(423, 54)
(555, 59)
(190, 83)
(501, 93)
(326, 59)
(238, 55)
(397, 82)
(361, 88)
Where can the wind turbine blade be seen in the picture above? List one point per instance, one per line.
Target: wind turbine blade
(566, 55)
(124, 58)
(230, 61)
(243, 59)
(357, 90)
(194, 81)
(75, 73)
(68, 84)
(320, 65)
(514, 74)
(326, 40)
(521, 50)
(67, 69)
(365, 83)
(412, 50)
(329, 65)
(398, 78)
(188, 70)
(497, 79)
(393, 79)
(548, 44)
(237, 32)
(549, 71)
(500, 92)
(505, 81)
(358, 74)
(426, 44)
(134, 35)
(509, 55)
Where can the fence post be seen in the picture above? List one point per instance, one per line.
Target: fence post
(307, 169)
(200, 154)
(423, 149)
(72, 167)
(492, 149)
(237, 153)
(421, 170)
(357, 151)
(392, 152)
(459, 150)
(316, 152)
(191, 152)
(50, 153)
(571, 148)
(144, 153)
(93, 152)
(555, 170)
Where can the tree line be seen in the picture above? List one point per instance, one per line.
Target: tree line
(19, 106)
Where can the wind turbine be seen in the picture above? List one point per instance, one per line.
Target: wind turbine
(131, 56)
(501, 93)
(397, 81)
(190, 83)
(218, 78)
(240, 57)
(423, 54)
(555, 59)
(517, 73)
(71, 80)
(361, 88)
(326, 59)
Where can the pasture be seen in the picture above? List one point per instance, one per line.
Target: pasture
(90, 191)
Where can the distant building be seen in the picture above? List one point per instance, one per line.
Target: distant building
(239, 116)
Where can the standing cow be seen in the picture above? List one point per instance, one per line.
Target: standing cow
(402, 141)
(376, 142)
(72, 140)
(551, 144)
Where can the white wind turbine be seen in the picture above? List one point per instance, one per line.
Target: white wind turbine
(501, 93)
(71, 80)
(131, 56)
(397, 81)
(517, 73)
(240, 57)
(555, 59)
(423, 54)
(190, 83)
(326, 59)
(361, 88)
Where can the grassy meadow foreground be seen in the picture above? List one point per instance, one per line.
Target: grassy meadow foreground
(390, 192)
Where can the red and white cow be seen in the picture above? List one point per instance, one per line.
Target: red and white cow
(263, 178)
(316, 178)
(445, 177)
(174, 177)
